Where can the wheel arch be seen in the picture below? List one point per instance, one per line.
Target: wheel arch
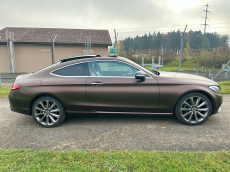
(196, 91)
(42, 95)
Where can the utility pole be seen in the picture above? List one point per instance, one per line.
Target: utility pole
(181, 48)
(205, 23)
(53, 54)
(115, 45)
(8, 49)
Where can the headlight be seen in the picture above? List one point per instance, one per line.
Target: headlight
(215, 89)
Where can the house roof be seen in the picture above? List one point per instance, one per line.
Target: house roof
(24, 35)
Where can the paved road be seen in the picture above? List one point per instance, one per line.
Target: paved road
(116, 132)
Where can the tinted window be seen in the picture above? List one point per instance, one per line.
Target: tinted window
(111, 68)
(74, 70)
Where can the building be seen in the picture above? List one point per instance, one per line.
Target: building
(25, 50)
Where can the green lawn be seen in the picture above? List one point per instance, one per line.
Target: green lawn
(174, 66)
(225, 87)
(187, 65)
(30, 160)
(4, 91)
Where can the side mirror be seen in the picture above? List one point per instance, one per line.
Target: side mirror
(140, 75)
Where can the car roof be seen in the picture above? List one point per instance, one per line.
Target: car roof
(81, 57)
(78, 57)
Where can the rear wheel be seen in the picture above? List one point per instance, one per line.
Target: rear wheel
(48, 112)
(193, 108)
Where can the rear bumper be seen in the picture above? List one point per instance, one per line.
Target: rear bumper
(19, 102)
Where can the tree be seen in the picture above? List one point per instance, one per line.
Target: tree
(120, 48)
(186, 52)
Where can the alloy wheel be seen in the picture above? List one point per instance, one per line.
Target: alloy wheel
(47, 112)
(194, 109)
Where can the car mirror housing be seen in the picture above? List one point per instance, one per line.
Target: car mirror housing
(140, 75)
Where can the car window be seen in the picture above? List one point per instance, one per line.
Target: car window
(111, 68)
(73, 70)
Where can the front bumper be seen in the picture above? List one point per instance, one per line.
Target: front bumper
(219, 110)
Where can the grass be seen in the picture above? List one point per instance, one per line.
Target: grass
(225, 87)
(174, 66)
(4, 91)
(187, 65)
(31, 160)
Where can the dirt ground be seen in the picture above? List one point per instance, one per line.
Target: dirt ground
(116, 132)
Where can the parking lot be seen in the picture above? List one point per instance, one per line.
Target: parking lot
(115, 132)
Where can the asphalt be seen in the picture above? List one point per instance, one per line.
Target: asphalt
(115, 132)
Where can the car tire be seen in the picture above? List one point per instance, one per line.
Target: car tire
(193, 108)
(48, 112)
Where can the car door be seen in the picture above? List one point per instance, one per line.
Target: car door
(112, 87)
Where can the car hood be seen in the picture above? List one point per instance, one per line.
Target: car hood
(187, 78)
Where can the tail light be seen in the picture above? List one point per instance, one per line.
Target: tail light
(15, 87)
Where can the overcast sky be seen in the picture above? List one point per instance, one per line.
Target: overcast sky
(129, 17)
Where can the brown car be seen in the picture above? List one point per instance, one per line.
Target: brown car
(94, 84)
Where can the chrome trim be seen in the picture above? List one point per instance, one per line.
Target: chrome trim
(96, 76)
(144, 113)
(140, 75)
(97, 83)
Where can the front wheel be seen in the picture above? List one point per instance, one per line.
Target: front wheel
(193, 108)
(48, 112)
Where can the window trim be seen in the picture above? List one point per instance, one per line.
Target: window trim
(97, 76)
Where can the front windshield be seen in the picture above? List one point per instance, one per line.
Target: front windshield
(141, 67)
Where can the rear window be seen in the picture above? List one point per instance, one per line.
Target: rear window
(81, 69)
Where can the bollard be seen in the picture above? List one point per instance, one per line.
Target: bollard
(202, 69)
(153, 62)
(212, 68)
(0, 82)
(225, 75)
(196, 70)
(209, 74)
(205, 69)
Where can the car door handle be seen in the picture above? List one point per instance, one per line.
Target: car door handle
(97, 83)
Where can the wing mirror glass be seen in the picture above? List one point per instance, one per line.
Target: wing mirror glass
(140, 75)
